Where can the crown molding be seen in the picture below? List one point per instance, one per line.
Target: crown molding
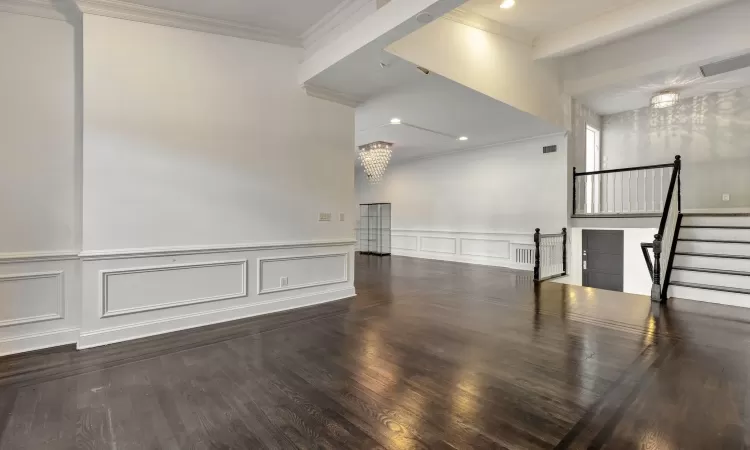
(129, 11)
(35, 8)
(462, 16)
(332, 96)
(332, 20)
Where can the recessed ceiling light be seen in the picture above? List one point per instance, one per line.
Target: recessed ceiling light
(395, 121)
(463, 138)
(507, 4)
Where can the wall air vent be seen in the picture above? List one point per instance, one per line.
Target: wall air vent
(728, 65)
(549, 149)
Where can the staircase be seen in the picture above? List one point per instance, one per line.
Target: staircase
(712, 258)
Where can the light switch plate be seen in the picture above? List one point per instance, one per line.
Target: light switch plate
(342, 217)
(283, 281)
(725, 197)
(324, 217)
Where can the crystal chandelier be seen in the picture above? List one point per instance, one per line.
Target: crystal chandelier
(375, 157)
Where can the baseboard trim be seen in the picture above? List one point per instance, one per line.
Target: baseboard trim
(94, 255)
(38, 341)
(28, 257)
(167, 325)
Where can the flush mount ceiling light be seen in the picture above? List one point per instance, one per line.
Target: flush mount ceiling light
(463, 138)
(395, 121)
(507, 4)
(375, 157)
(664, 99)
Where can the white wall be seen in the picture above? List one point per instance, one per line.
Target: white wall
(636, 279)
(499, 67)
(500, 193)
(39, 271)
(712, 135)
(205, 170)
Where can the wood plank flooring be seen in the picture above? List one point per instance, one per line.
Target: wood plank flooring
(429, 355)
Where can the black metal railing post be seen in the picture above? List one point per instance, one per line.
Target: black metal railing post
(565, 251)
(656, 287)
(537, 268)
(574, 191)
(678, 168)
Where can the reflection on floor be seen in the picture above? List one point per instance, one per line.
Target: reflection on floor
(429, 355)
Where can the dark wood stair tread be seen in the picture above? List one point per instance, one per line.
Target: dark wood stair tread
(712, 255)
(717, 271)
(715, 241)
(710, 287)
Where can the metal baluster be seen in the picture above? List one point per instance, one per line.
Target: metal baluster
(661, 188)
(645, 203)
(653, 191)
(629, 194)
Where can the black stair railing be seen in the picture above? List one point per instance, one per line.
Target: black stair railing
(550, 255)
(665, 241)
(629, 191)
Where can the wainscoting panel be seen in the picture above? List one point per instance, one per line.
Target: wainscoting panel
(437, 244)
(400, 242)
(492, 248)
(302, 271)
(31, 297)
(141, 289)
(133, 294)
(39, 300)
(485, 247)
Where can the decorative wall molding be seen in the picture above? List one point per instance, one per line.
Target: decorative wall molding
(96, 255)
(130, 11)
(263, 261)
(332, 20)
(465, 245)
(511, 249)
(30, 257)
(448, 244)
(401, 242)
(332, 96)
(106, 274)
(59, 302)
(170, 324)
(36, 8)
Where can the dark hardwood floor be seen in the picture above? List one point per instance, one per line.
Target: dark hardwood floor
(428, 355)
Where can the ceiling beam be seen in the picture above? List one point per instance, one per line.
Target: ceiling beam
(623, 22)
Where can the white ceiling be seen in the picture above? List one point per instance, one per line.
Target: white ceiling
(447, 108)
(544, 16)
(288, 17)
(637, 93)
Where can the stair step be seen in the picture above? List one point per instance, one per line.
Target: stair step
(709, 296)
(711, 277)
(711, 255)
(718, 271)
(711, 287)
(715, 220)
(717, 227)
(716, 241)
(715, 233)
(722, 262)
(714, 247)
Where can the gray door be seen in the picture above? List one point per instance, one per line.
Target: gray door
(603, 259)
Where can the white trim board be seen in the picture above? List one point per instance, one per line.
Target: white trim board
(29, 257)
(95, 255)
(37, 341)
(139, 13)
(171, 324)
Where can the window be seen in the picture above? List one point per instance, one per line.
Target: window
(593, 163)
